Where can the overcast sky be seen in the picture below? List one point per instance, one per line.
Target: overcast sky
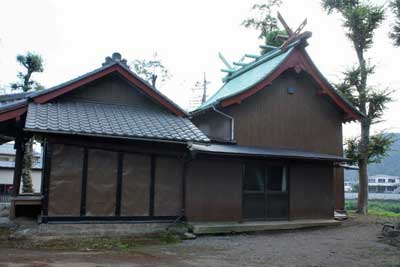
(74, 37)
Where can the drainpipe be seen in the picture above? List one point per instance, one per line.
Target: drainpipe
(230, 118)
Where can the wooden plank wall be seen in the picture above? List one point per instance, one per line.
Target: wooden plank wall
(214, 190)
(111, 89)
(311, 191)
(274, 118)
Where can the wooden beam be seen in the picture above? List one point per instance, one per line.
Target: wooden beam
(252, 56)
(228, 71)
(119, 184)
(184, 172)
(285, 25)
(46, 179)
(301, 26)
(241, 64)
(84, 181)
(13, 114)
(152, 184)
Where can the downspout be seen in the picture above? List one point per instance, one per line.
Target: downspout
(230, 118)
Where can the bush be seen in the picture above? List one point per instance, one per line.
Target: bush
(388, 208)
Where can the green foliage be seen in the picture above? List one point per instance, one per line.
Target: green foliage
(378, 148)
(271, 38)
(33, 63)
(168, 237)
(395, 33)
(331, 5)
(150, 70)
(361, 19)
(265, 22)
(109, 243)
(375, 99)
(385, 208)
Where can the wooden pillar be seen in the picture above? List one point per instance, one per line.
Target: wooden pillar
(184, 171)
(19, 154)
(339, 187)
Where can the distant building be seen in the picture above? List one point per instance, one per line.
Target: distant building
(7, 162)
(382, 183)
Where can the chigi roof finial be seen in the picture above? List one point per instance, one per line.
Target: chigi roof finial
(115, 57)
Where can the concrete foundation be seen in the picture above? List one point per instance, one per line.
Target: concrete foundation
(123, 229)
(101, 229)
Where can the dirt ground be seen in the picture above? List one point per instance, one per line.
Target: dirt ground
(358, 242)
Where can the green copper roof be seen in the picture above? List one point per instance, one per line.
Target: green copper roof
(248, 76)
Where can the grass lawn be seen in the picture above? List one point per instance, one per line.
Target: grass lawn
(112, 243)
(383, 208)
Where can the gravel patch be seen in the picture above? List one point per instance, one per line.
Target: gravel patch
(358, 242)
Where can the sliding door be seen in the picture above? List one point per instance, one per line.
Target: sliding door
(265, 192)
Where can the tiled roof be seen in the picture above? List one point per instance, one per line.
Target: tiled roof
(9, 101)
(13, 97)
(88, 118)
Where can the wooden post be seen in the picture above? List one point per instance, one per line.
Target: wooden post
(19, 155)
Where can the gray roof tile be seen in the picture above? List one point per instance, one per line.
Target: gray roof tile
(111, 120)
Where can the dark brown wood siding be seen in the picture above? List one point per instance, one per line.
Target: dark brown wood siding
(339, 188)
(215, 126)
(311, 191)
(76, 190)
(111, 89)
(214, 190)
(303, 120)
(274, 118)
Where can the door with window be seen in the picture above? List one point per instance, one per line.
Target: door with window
(265, 192)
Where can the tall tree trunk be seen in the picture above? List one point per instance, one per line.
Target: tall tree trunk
(27, 185)
(364, 142)
(363, 165)
(27, 78)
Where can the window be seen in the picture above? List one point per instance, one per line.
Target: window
(254, 179)
(392, 181)
(277, 179)
(257, 178)
(371, 180)
(381, 180)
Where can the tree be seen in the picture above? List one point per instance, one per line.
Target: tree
(378, 148)
(150, 70)
(361, 19)
(266, 23)
(32, 63)
(395, 33)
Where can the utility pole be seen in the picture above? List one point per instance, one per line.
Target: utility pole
(199, 93)
(205, 83)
